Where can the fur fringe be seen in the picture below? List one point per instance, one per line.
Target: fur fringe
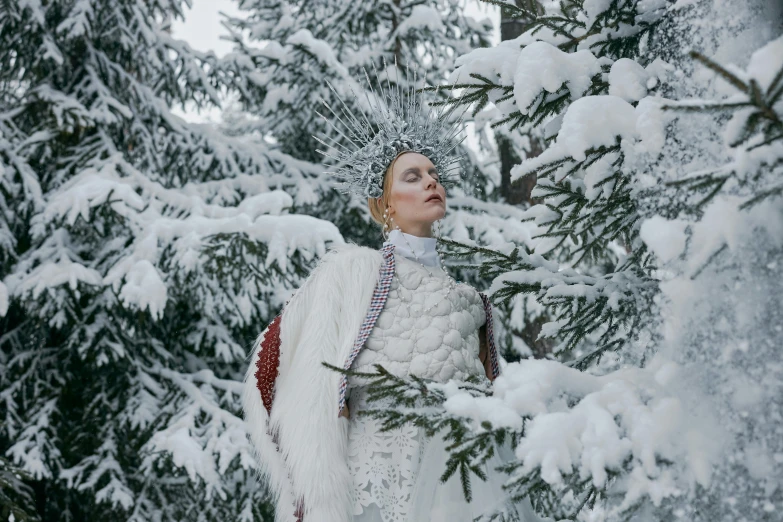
(319, 324)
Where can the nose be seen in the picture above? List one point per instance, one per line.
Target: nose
(430, 181)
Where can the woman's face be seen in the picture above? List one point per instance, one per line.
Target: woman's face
(417, 199)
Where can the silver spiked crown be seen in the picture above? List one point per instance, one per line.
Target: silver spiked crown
(395, 121)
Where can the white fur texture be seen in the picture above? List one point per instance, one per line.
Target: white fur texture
(319, 324)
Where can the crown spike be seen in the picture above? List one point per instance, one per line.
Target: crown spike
(362, 143)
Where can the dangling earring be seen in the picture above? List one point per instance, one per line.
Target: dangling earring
(385, 232)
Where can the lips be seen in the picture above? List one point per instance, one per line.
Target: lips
(434, 196)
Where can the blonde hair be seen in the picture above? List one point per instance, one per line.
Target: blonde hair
(379, 205)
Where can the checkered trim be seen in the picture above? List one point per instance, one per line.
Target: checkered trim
(493, 352)
(376, 306)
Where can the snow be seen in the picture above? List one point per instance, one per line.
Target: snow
(259, 216)
(717, 319)
(319, 48)
(55, 274)
(421, 17)
(651, 123)
(473, 221)
(151, 249)
(675, 420)
(593, 8)
(78, 22)
(542, 66)
(667, 238)
(495, 62)
(591, 122)
(599, 121)
(628, 80)
(631, 415)
(226, 432)
(595, 122)
(766, 62)
(142, 250)
(144, 288)
(3, 299)
(680, 4)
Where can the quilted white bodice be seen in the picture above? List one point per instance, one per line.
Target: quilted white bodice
(441, 344)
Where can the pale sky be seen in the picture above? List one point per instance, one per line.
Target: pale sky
(202, 27)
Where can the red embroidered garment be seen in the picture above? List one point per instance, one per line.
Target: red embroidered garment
(268, 362)
(267, 370)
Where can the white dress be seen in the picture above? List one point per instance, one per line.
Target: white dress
(397, 474)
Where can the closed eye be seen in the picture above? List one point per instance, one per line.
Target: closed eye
(413, 174)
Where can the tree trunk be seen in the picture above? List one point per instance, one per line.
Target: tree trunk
(511, 26)
(518, 193)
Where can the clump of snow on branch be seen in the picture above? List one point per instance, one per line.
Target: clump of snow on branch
(631, 421)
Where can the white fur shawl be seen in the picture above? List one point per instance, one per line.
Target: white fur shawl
(320, 323)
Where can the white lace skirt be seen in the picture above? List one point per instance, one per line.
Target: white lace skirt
(396, 476)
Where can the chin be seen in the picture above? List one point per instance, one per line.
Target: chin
(436, 215)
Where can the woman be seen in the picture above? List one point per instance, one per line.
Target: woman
(429, 327)
(395, 307)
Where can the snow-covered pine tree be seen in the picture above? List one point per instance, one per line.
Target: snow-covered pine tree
(588, 222)
(690, 283)
(16, 497)
(719, 243)
(141, 255)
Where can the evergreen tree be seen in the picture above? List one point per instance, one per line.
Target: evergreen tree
(140, 257)
(16, 497)
(653, 235)
(588, 219)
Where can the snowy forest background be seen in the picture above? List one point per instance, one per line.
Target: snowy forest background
(621, 204)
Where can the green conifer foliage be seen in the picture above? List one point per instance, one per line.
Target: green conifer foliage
(140, 255)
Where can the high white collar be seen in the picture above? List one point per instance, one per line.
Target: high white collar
(423, 247)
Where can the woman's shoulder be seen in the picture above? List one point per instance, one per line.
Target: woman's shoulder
(344, 269)
(346, 265)
(348, 253)
(346, 260)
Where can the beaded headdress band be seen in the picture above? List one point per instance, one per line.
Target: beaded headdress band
(396, 121)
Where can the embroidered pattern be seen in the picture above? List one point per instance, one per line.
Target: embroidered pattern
(268, 362)
(267, 369)
(493, 351)
(385, 466)
(376, 305)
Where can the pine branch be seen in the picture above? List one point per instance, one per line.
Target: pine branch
(762, 127)
(725, 73)
(17, 501)
(763, 102)
(413, 400)
(492, 262)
